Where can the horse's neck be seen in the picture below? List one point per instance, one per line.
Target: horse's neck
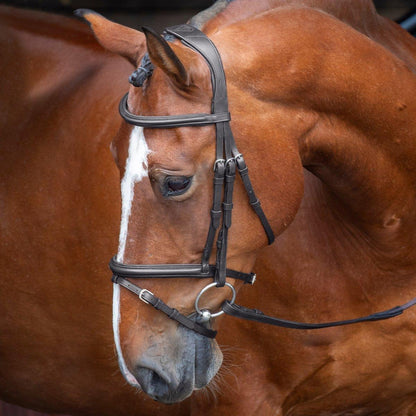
(346, 100)
(362, 144)
(370, 180)
(362, 17)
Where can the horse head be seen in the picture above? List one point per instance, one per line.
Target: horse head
(167, 193)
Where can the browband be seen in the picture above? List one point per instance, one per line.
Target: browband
(183, 120)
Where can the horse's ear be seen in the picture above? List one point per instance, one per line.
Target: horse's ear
(163, 55)
(116, 38)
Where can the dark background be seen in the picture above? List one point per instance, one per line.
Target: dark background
(162, 13)
(136, 5)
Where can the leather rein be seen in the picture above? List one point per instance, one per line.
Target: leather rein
(228, 161)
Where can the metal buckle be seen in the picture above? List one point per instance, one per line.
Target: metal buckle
(204, 312)
(228, 161)
(141, 295)
(216, 162)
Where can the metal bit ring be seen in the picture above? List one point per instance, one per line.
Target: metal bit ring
(203, 312)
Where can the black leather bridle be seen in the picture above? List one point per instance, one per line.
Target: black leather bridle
(228, 161)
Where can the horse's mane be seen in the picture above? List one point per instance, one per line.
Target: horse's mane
(202, 17)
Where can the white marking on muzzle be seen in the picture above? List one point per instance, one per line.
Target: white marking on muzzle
(136, 170)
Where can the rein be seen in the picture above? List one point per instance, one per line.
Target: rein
(228, 161)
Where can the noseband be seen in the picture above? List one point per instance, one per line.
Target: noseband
(228, 161)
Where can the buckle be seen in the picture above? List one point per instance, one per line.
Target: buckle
(141, 295)
(217, 163)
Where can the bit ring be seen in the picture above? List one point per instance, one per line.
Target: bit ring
(203, 312)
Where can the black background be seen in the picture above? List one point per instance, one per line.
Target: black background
(162, 13)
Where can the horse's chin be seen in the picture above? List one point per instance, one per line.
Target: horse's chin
(170, 371)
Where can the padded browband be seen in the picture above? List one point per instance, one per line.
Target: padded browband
(197, 119)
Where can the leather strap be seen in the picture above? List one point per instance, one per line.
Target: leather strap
(149, 298)
(258, 316)
(168, 271)
(197, 40)
(216, 211)
(181, 120)
(254, 201)
(227, 206)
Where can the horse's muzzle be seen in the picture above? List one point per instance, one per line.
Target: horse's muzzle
(172, 374)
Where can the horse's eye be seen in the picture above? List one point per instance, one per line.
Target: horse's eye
(176, 185)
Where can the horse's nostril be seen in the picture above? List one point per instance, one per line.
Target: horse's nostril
(151, 382)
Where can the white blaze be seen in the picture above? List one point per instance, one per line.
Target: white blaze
(136, 170)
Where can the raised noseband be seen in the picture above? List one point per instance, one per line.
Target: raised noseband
(167, 271)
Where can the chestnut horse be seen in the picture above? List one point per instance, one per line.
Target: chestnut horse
(321, 96)
(322, 99)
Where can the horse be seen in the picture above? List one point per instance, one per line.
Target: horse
(59, 219)
(321, 103)
(321, 97)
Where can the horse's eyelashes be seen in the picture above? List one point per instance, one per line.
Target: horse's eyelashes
(176, 185)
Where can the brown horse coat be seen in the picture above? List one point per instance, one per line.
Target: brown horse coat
(322, 100)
